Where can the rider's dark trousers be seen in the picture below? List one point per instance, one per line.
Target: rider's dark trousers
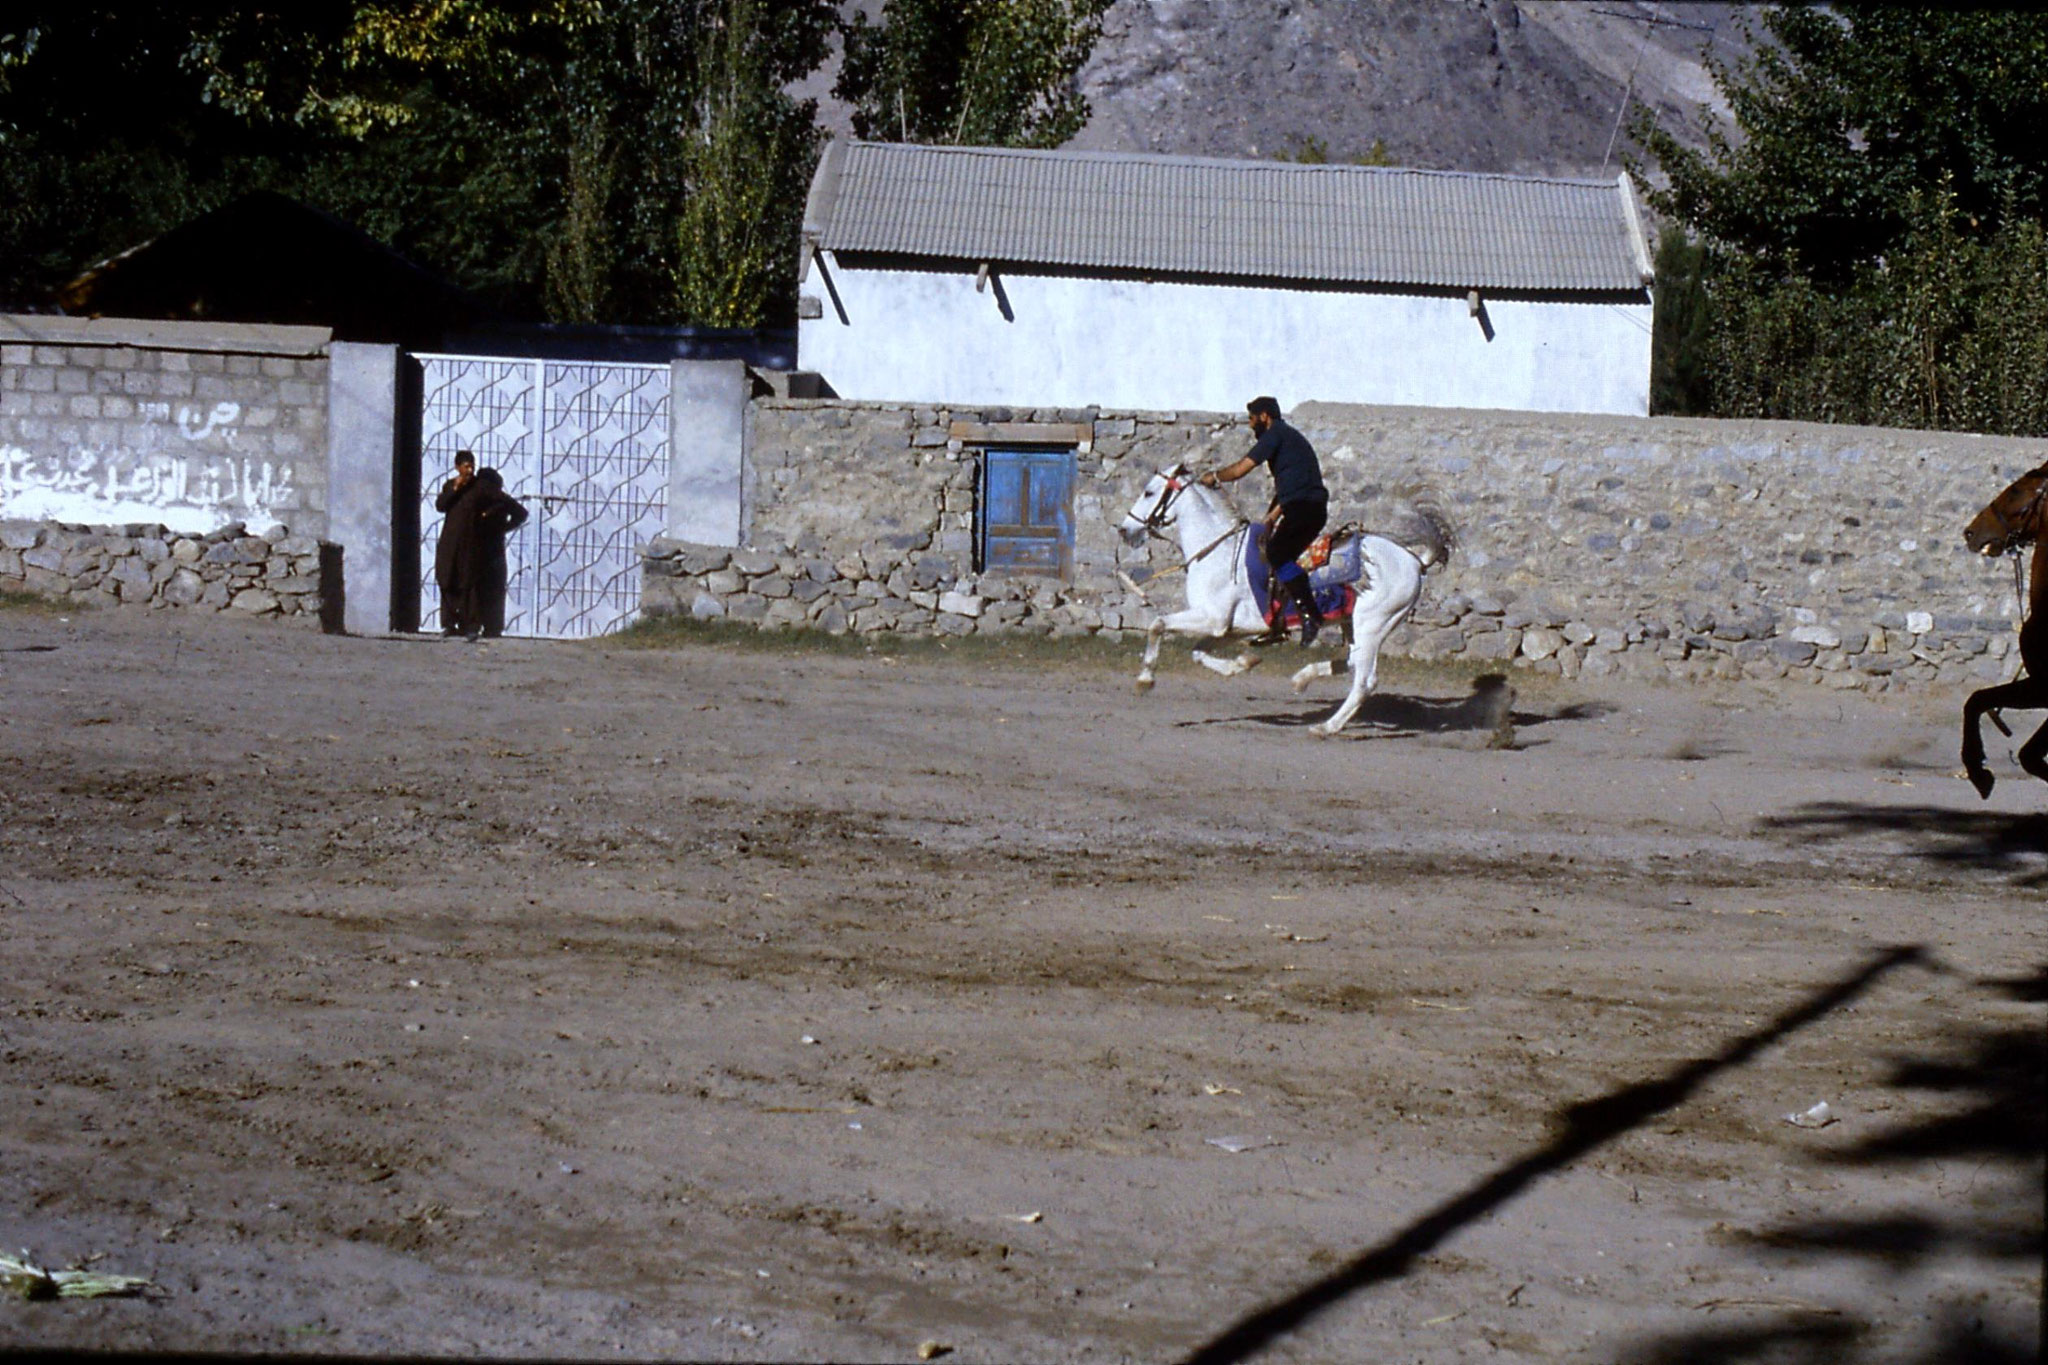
(1300, 524)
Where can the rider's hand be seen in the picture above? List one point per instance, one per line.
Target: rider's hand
(1208, 479)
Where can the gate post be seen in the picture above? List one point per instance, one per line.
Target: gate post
(707, 413)
(362, 442)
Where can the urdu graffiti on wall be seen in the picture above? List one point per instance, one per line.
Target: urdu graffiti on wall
(192, 486)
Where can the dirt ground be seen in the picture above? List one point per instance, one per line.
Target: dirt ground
(391, 996)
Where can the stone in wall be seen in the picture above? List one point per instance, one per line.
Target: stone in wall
(141, 564)
(1589, 546)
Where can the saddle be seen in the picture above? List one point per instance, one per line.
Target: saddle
(1335, 561)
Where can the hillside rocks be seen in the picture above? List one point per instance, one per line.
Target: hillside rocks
(1468, 85)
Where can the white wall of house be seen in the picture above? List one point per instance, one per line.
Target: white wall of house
(916, 336)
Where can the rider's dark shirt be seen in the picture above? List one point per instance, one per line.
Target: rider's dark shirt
(1297, 477)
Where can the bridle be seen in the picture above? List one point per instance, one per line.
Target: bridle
(2015, 533)
(1156, 519)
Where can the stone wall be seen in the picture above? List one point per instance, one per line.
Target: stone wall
(108, 421)
(1646, 546)
(277, 574)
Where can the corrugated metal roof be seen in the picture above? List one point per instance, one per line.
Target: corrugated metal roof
(1260, 219)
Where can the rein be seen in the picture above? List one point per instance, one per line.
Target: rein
(2015, 533)
(1155, 521)
(2016, 528)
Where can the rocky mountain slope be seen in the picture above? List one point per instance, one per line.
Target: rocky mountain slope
(1530, 86)
(1527, 86)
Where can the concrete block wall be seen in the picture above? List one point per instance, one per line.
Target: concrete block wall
(190, 425)
(1656, 547)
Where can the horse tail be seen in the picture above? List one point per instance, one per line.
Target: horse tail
(1426, 532)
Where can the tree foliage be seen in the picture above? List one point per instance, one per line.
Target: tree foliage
(995, 73)
(1310, 150)
(1847, 114)
(1681, 326)
(1950, 331)
(748, 162)
(543, 154)
(1870, 247)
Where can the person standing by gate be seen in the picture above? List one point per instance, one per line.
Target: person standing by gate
(1301, 505)
(453, 549)
(497, 514)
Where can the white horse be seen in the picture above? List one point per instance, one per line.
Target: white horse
(1220, 596)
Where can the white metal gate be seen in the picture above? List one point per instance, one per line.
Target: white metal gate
(586, 447)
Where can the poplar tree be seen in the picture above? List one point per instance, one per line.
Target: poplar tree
(994, 73)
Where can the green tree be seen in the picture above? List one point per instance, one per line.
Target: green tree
(994, 73)
(1680, 328)
(748, 164)
(542, 154)
(1845, 114)
(1870, 248)
(83, 176)
(1310, 150)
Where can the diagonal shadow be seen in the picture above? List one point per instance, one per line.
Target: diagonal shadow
(1586, 1127)
(1993, 1075)
(1989, 841)
(1420, 715)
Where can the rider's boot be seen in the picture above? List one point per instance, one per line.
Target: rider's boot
(1275, 634)
(1311, 615)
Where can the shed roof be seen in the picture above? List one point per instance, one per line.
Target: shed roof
(1257, 219)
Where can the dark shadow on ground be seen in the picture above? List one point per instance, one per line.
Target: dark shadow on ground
(1988, 841)
(1582, 1128)
(1990, 1079)
(1387, 714)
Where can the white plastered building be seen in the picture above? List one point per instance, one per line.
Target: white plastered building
(1062, 279)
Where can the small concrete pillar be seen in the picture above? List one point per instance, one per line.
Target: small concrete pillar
(362, 445)
(707, 449)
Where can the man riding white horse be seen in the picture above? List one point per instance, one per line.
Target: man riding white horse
(1301, 506)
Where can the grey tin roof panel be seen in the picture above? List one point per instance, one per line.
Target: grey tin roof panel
(1336, 224)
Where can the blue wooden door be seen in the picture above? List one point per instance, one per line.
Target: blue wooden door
(1027, 511)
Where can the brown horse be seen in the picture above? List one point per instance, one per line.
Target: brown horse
(2016, 518)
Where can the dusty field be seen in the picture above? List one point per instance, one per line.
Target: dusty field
(406, 997)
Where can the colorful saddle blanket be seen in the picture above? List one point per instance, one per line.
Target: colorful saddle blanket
(1334, 562)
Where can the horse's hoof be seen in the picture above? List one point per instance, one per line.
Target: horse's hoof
(1308, 673)
(1142, 686)
(1982, 779)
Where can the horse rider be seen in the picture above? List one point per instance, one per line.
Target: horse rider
(1301, 505)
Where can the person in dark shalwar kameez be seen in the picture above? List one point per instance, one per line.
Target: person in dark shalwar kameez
(455, 548)
(494, 515)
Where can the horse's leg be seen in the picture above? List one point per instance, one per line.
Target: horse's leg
(1394, 585)
(1229, 668)
(2017, 695)
(2033, 755)
(1324, 668)
(1365, 669)
(1190, 622)
(1321, 668)
(1153, 634)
